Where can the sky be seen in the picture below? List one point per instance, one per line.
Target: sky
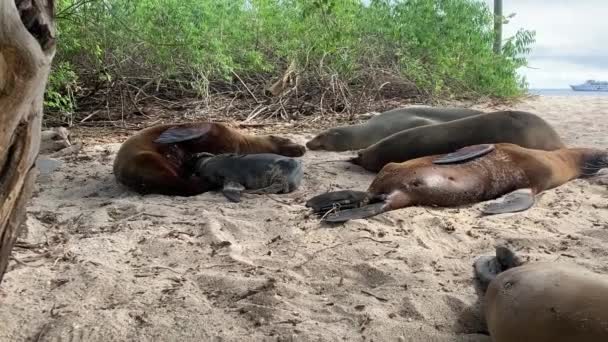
(571, 39)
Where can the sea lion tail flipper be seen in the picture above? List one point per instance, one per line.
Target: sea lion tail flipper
(232, 191)
(518, 200)
(356, 213)
(179, 134)
(465, 154)
(486, 267)
(343, 199)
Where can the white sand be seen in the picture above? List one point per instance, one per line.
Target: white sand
(115, 266)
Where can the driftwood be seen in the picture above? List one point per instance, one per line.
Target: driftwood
(27, 48)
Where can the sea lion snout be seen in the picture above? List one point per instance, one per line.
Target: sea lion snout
(314, 143)
(358, 160)
(332, 140)
(292, 150)
(287, 147)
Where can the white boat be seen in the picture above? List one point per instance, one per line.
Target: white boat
(591, 85)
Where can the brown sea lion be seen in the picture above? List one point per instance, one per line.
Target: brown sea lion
(543, 301)
(355, 137)
(261, 173)
(159, 159)
(468, 175)
(521, 128)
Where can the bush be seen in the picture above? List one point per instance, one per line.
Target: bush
(341, 48)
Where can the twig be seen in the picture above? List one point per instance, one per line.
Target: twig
(255, 112)
(375, 240)
(268, 285)
(25, 245)
(89, 116)
(251, 93)
(278, 201)
(375, 296)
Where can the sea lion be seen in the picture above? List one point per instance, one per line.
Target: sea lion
(469, 175)
(54, 139)
(543, 301)
(516, 127)
(156, 159)
(263, 173)
(355, 137)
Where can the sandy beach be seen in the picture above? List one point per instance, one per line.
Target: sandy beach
(98, 262)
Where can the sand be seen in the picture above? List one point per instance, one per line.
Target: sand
(100, 263)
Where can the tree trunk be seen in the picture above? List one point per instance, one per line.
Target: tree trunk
(27, 47)
(498, 19)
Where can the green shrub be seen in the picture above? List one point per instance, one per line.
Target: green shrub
(443, 46)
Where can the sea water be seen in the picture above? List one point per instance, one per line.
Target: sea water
(566, 92)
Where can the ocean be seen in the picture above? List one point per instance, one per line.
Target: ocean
(566, 92)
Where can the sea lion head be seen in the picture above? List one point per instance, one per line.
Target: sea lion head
(367, 160)
(331, 140)
(593, 160)
(195, 163)
(286, 147)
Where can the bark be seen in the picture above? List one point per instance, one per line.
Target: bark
(27, 48)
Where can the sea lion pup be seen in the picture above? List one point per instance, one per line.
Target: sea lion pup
(54, 139)
(356, 137)
(263, 173)
(468, 175)
(541, 302)
(521, 128)
(154, 160)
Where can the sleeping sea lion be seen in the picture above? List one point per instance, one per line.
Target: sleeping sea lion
(54, 139)
(263, 173)
(355, 137)
(155, 159)
(543, 301)
(520, 128)
(468, 175)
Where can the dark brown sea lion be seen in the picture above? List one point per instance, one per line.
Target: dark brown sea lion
(521, 128)
(543, 301)
(158, 159)
(262, 173)
(355, 137)
(468, 175)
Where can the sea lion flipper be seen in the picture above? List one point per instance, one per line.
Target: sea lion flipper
(486, 268)
(518, 200)
(232, 191)
(179, 134)
(465, 154)
(507, 258)
(356, 213)
(342, 199)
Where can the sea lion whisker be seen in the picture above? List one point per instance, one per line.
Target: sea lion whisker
(596, 162)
